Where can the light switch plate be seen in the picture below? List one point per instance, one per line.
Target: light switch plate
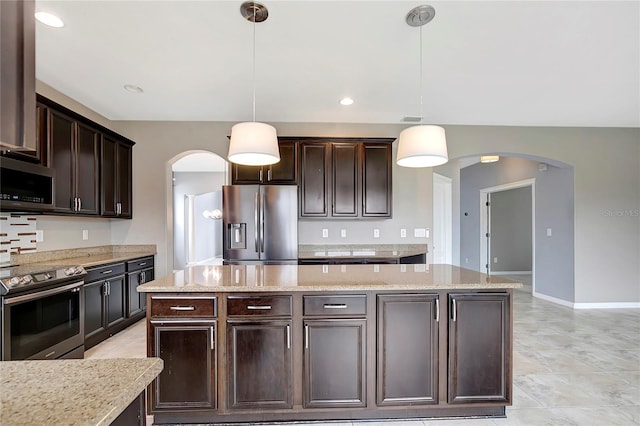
(325, 233)
(403, 233)
(419, 232)
(343, 233)
(376, 233)
(549, 232)
(85, 234)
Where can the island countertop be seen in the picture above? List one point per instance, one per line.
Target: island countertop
(71, 392)
(274, 278)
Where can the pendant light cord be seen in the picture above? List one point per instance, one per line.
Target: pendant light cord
(254, 64)
(421, 113)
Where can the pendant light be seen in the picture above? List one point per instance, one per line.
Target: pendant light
(421, 145)
(253, 143)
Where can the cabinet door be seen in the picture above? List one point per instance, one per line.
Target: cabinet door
(108, 178)
(314, 180)
(344, 182)
(286, 170)
(188, 380)
(116, 301)
(241, 174)
(376, 180)
(124, 153)
(86, 176)
(94, 300)
(147, 275)
(62, 160)
(479, 348)
(137, 302)
(407, 355)
(259, 364)
(334, 363)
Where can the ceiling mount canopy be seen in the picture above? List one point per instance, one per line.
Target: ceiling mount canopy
(421, 145)
(253, 143)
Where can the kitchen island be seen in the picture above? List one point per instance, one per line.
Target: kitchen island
(248, 343)
(75, 392)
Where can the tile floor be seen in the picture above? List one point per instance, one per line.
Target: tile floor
(571, 367)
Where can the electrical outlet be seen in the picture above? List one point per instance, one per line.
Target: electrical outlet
(85, 234)
(495, 260)
(426, 233)
(403, 233)
(39, 235)
(376, 233)
(419, 232)
(376, 268)
(549, 233)
(325, 233)
(466, 260)
(343, 233)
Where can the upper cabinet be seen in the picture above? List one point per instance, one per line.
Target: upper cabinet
(116, 159)
(73, 153)
(345, 178)
(17, 76)
(284, 172)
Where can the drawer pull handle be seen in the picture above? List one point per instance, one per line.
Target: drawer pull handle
(259, 308)
(142, 263)
(108, 271)
(183, 308)
(334, 306)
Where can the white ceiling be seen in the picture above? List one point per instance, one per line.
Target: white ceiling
(539, 63)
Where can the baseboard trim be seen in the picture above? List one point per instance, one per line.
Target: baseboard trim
(607, 305)
(603, 305)
(553, 299)
(510, 273)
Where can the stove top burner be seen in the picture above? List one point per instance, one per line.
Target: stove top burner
(26, 277)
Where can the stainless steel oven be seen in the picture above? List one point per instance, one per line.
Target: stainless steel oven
(45, 322)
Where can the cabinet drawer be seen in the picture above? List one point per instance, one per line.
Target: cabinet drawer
(141, 263)
(335, 306)
(103, 272)
(259, 305)
(172, 306)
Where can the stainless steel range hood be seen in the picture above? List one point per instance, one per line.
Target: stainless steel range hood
(17, 76)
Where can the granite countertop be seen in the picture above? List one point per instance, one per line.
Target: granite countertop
(369, 251)
(256, 278)
(71, 392)
(87, 257)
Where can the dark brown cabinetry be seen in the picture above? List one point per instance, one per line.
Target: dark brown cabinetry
(407, 349)
(105, 302)
(284, 172)
(182, 331)
(73, 153)
(345, 178)
(116, 174)
(17, 75)
(259, 362)
(139, 271)
(479, 348)
(335, 351)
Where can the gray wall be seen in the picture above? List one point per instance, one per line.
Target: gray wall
(606, 164)
(554, 256)
(189, 183)
(511, 230)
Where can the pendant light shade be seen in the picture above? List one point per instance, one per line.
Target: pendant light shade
(422, 146)
(253, 144)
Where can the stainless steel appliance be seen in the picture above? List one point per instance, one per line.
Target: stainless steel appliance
(42, 312)
(260, 223)
(25, 186)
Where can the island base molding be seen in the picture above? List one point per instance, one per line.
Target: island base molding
(334, 415)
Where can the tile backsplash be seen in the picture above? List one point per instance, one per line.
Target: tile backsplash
(17, 235)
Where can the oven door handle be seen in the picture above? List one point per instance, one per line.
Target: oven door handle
(41, 294)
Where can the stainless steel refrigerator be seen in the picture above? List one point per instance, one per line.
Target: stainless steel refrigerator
(260, 223)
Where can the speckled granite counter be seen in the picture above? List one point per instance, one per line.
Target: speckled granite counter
(71, 392)
(369, 251)
(86, 256)
(252, 278)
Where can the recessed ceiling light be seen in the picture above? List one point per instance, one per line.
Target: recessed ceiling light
(346, 101)
(49, 19)
(132, 88)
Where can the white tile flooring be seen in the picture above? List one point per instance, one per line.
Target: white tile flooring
(571, 367)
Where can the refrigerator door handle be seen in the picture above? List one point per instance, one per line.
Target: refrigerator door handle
(262, 202)
(255, 218)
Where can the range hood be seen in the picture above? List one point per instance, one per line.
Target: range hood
(18, 76)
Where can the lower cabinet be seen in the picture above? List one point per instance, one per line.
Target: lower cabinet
(259, 364)
(139, 271)
(104, 304)
(188, 349)
(335, 363)
(479, 348)
(407, 349)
